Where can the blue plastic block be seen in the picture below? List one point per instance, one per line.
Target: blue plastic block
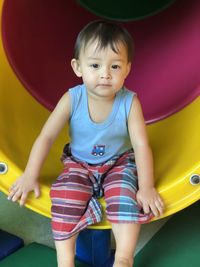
(9, 243)
(94, 248)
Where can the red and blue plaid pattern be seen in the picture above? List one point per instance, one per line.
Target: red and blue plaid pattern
(75, 192)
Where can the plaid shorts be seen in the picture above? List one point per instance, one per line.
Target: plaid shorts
(75, 194)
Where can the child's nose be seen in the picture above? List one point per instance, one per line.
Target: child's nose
(105, 73)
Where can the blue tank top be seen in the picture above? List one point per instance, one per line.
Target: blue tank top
(93, 142)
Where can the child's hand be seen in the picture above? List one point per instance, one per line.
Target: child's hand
(21, 188)
(150, 201)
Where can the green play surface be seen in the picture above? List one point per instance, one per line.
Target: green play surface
(176, 244)
(34, 255)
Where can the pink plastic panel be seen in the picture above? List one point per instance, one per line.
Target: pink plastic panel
(39, 38)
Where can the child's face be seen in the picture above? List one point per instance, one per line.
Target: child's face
(103, 71)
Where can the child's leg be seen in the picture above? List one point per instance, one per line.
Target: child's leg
(126, 236)
(70, 195)
(66, 251)
(120, 188)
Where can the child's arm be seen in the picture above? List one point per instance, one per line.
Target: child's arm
(147, 196)
(29, 179)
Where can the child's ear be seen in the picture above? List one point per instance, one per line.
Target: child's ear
(128, 69)
(76, 67)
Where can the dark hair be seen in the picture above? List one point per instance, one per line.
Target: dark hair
(106, 33)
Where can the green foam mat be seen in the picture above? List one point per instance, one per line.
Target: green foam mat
(176, 244)
(34, 255)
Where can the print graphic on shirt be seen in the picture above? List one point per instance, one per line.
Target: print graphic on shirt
(98, 150)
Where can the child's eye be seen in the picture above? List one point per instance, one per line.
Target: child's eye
(115, 67)
(95, 66)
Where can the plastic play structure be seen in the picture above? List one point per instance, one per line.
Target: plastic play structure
(35, 51)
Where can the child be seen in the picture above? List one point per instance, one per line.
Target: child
(108, 140)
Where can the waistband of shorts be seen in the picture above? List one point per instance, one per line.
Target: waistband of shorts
(111, 161)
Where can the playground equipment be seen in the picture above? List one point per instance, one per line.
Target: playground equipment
(13, 252)
(35, 71)
(9, 243)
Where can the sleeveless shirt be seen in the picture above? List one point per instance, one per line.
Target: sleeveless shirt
(93, 142)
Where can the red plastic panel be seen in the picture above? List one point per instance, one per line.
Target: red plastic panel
(39, 38)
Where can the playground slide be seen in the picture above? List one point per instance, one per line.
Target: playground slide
(173, 133)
